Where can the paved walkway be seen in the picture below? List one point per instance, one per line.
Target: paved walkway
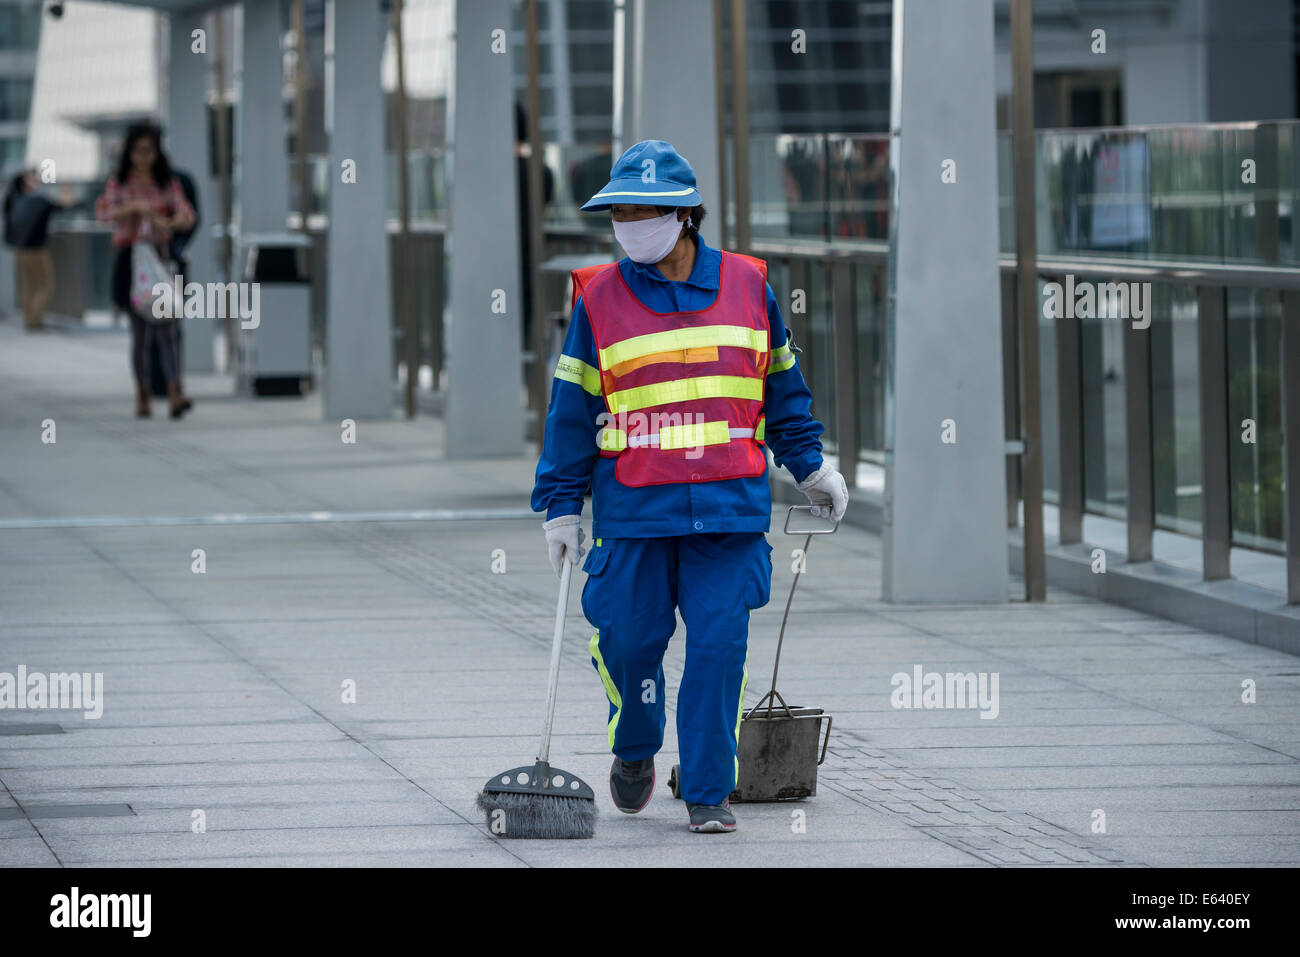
(223, 691)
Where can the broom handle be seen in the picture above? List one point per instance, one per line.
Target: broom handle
(561, 610)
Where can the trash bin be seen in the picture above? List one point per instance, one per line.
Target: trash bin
(275, 355)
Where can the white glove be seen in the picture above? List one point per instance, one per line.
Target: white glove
(564, 537)
(827, 493)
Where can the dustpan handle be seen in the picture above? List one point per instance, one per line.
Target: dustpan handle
(561, 611)
(809, 533)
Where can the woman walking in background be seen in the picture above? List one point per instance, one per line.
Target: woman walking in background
(27, 219)
(144, 201)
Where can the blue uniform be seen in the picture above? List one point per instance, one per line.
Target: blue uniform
(695, 546)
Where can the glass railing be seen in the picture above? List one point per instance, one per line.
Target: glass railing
(828, 187)
(1218, 193)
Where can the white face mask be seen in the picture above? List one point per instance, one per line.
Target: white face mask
(649, 240)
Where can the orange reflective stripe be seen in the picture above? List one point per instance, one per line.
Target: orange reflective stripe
(709, 354)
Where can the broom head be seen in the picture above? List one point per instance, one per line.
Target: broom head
(538, 801)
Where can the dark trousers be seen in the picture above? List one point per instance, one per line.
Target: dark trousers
(155, 346)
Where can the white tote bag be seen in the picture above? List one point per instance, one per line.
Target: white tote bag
(148, 270)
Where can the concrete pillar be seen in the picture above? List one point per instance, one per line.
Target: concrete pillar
(557, 24)
(484, 413)
(261, 153)
(670, 63)
(188, 147)
(358, 318)
(945, 536)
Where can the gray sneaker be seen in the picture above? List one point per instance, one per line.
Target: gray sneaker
(712, 818)
(631, 783)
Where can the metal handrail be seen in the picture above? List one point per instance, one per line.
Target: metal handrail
(1151, 270)
(1164, 270)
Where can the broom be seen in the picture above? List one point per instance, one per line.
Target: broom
(538, 800)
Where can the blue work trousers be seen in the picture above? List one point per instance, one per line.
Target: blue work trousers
(633, 587)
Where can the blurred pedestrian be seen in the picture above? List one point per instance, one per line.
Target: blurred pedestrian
(144, 201)
(26, 223)
(180, 240)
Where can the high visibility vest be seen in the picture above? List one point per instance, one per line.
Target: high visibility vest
(683, 391)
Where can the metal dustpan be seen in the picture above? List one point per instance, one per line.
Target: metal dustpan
(780, 745)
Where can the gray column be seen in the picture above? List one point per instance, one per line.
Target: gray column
(358, 318)
(670, 61)
(484, 413)
(187, 145)
(945, 535)
(261, 154)
(557, 25)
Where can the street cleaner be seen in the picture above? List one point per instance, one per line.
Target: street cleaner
(677, 371)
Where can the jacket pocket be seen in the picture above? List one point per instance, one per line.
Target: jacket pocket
(594, 589)
(759, 587)
(597, 558)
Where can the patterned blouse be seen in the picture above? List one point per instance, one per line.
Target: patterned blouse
(167, 201)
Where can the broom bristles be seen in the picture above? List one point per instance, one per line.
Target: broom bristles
(547, 816)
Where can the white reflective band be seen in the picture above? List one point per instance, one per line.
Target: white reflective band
(628, 192)
(640, 441)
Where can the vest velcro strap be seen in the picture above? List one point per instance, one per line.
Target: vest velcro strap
(694, 435)
(782, 359)
(671, 437)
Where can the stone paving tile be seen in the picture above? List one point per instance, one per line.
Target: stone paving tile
(975, 824)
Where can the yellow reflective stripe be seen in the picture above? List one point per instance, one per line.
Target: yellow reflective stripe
(782, 359)
(685, 390)
(628, 192)
(611, 690)
(740, 714)
(578, 372)
(679, 340)
(761, 431)
(612, 440)
(693, 435)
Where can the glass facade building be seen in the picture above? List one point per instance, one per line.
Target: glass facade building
(20, 31)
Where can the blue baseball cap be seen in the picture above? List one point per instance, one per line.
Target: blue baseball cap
(651, 173)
